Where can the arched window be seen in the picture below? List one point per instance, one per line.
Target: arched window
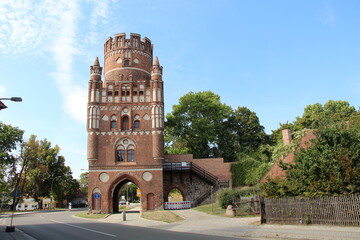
(125, 151)
(137, 121)
(113, 122)
(130, 155)
(125, 123)
(120, 155)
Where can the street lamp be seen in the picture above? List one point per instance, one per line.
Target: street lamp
(14, 99)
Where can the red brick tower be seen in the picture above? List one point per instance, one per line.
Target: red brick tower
(125, 124)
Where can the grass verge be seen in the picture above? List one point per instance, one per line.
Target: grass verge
(162, 216)
(213, 209)
(91, 216)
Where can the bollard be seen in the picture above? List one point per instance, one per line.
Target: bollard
(124, 215)
(10, 229)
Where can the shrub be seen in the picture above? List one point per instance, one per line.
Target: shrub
(228, 196)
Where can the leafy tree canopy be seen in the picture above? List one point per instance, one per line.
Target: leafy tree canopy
(10, 138)
(200, 124)
(196, 120)
(84, 179)
(46, 173)
(317, 115)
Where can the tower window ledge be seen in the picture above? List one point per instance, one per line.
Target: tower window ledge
(126, 163)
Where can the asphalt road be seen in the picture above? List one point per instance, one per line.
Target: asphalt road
(61, 225)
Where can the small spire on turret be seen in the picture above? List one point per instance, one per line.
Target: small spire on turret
(96, 62)
(96, 69)
(156, 62)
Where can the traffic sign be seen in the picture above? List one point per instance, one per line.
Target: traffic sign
(96, 195)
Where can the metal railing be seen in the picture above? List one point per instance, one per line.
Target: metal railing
(202, 173)
(189, 166)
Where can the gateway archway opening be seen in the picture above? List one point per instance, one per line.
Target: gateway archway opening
(126, 193)
(175, 195)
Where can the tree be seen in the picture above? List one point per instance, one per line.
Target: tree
(84, 179)
(241, 133)
(317, 115)
(200, 124)
(10, 140)
(330, 166)
(174, 145)
(196, 122)
(45, 172)
(251, 167)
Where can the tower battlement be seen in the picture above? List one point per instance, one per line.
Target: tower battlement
(121, 52)
(119, 41)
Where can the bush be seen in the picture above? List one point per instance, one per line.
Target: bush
(228, 196)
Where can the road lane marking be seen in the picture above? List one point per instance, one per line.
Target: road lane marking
(71, 225)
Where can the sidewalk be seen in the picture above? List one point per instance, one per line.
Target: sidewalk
(17, 235)
(198, 222)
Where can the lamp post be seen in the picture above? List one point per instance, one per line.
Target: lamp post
(14, 99)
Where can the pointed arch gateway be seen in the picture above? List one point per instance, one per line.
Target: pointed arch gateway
(118, 185)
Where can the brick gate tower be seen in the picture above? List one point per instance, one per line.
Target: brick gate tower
(125, 124)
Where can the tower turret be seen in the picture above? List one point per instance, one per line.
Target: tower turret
(93, 114)
(157, 110)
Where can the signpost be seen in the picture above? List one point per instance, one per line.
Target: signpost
(16, 193)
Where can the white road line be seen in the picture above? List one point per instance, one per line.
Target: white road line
(111, 235)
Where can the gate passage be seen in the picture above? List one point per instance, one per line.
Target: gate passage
(177, 205)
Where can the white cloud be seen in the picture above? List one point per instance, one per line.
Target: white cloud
(41, 27)
(33, 27)
(64, 50)
(99, 18)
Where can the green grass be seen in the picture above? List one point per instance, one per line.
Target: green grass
(162, 216)
(91, 216)
(213, 209)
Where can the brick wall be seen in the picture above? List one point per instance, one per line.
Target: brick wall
(215, 166)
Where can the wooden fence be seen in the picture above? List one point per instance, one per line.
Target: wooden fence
(344, 210)
(247, 206)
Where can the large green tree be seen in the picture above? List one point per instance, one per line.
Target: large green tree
(200, 124)
(330, 166)
(46, 174)
(196, 122)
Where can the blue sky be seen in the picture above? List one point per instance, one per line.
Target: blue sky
(274, 57)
